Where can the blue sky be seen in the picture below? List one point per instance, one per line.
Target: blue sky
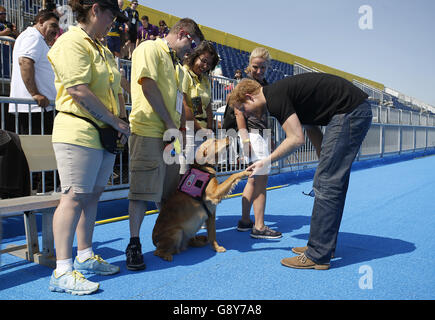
(399, 51)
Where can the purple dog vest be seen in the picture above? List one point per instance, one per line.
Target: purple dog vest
(194, 182)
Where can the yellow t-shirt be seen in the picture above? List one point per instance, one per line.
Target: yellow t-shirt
(199, 89)
(76, 59)
(152, 59)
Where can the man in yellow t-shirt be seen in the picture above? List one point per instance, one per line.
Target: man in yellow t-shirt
(156, 82)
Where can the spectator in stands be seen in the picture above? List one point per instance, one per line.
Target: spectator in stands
(312, 100)
(163, 29)
(32, 75)
(259, 62)
(197, 98)
(147, 31)
(257, 146)
(238, 75)
(133, 22)
(115, 36)
(218, 70)
(51, 6)
(88, 84)
(7, 29)
(156, 106)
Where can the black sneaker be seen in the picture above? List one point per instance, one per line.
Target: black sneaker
(266, 233)
(134, 257)
(242, 226)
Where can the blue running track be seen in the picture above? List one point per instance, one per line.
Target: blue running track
(385, 249)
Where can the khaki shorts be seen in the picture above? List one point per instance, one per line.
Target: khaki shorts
(82, 169)
(151, 179)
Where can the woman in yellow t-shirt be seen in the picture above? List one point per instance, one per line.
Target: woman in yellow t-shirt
(197, 99)
(197, 93)
(88, 85)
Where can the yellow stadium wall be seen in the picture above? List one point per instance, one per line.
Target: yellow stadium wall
(246, 45)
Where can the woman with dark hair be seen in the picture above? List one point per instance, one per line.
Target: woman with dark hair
(197, 92)
(163, 29)
(88, 91)
(197, 100)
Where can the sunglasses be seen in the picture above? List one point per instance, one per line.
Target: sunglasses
(192, 42)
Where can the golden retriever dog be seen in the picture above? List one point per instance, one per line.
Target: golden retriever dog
(181, 216)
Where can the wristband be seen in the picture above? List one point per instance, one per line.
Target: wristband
(246, 140)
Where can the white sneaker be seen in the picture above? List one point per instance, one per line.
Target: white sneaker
(72, 282)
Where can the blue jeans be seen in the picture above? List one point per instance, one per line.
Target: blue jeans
(340, 145)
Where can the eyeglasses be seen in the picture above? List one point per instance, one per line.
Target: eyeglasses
(205, 61)
(192, 42)
(2, 12)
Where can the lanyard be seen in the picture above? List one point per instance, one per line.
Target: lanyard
(143, 37)
(173, 54)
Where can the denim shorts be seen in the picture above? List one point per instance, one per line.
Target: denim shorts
(82, 168)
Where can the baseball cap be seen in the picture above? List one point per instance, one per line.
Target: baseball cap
(112, 5)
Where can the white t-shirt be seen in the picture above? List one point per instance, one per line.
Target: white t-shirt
(31, 44)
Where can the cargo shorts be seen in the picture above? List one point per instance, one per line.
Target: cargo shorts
(151, 179)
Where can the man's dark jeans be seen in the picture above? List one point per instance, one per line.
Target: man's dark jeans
(341, 142)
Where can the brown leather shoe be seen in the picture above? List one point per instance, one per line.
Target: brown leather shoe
(301, 250)
(302, 262)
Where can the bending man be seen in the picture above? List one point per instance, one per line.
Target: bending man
(312, 100)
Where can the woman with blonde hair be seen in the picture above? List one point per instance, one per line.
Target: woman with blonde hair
(259, 62)
(256, 147)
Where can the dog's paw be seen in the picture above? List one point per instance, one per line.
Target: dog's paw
(246, 173)
(198, 241)
(164, 255)
(168, 257)
(218, 248)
